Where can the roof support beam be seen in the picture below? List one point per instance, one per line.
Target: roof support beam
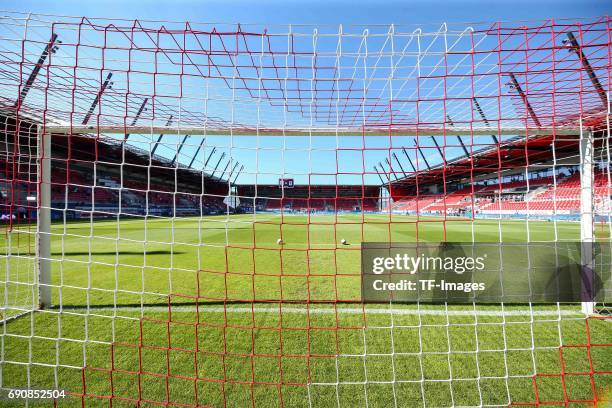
(450, 122)
(465, 150)
(50, 48)
(439, 150)
(197, 151)
(107, 84)
(391, 171)
(482, 116)
(400, 164)
(218, 163)
(237, 174)
(168, 123)
(178, 151)
(210, 156)
(422, 155)
(142, 108)
(233, 169)
(575, 46)
(409, 160)
(517, 87)
(379, 176)
(385, 172)
(225, 169)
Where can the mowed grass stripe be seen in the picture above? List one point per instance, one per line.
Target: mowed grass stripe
(94, 262)
(324, 355)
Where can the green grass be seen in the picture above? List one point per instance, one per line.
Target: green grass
(195, 335)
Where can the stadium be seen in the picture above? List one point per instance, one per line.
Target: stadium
(184, 208)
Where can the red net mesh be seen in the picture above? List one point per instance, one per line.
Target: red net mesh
(210, 187)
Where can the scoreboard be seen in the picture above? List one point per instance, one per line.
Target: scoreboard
(285, 183)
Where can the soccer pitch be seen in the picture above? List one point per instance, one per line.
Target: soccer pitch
(189, 310)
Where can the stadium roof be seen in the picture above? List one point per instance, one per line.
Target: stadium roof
(518, 153)
(103, 76)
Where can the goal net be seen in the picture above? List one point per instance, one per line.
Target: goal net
(186, 210)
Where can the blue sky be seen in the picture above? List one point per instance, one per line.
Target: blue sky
(321, 11)
(298, 157)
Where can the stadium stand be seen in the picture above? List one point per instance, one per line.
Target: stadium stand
(536, 195)
(302, 198)
(94, 178)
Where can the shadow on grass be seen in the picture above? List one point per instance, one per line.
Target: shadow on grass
(269, 302)
(204, 304)
(83, 253)
(105, 253)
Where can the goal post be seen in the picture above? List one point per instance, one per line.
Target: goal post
(43, 219)
(587, 223)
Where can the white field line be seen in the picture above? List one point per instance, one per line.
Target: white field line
(319, 310)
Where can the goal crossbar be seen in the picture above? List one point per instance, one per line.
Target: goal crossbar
(389, 131)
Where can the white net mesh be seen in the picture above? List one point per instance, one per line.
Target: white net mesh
(209, 187)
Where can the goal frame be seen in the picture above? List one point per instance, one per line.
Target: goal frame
(44, 133)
